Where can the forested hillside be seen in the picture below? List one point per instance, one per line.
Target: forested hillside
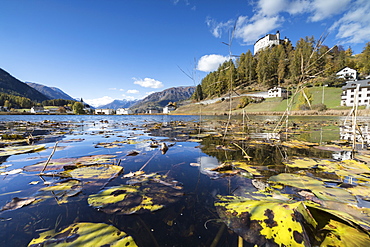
(283, 65)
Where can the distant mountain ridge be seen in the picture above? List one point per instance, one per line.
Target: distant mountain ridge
(119, 104)
(13, 86)
(51, 92)
(159, 100)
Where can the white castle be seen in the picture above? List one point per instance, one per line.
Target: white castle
(268, 41)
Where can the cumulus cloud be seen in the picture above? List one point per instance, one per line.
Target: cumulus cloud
(128, 97)
(148, 82)
(209, 63)
(99, 101)
(352, 26)
(217, 28)
(325, 9)
(250, 30)
(133, 91)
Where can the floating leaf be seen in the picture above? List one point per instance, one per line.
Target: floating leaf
(58, 164)
(303, 163)
(344, 235)
(93, 172)
(7, 151)
(84, 234)
(18, 203)
(129, 199)
(61, 190)
(265, 222)
(247, 167)
(12, 172)
(294, 180)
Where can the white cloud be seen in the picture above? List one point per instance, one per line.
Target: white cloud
(271, 8)
(149, 93)
(325, 9)
(209, 63)
(128, 97)
(250, 30)
(133, 91)
(148, 82)
(353, 27)
(99, 101)
(217, 28)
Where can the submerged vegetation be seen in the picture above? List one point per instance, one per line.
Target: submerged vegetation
(168, 182)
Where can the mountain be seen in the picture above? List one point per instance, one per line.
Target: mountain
(13, 86)
(51, 92)
(119, 104)
(161, 99)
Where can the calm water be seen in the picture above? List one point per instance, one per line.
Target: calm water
(191, 220)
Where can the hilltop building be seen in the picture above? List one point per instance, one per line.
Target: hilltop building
(349, 93)
(268, 41)
(277, 92)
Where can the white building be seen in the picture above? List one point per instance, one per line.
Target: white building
(347, 73)
(123, 111)
(168, 108)
(277, 92)
(37, 109)
(268, 41)
(104, 111)
(349, 90)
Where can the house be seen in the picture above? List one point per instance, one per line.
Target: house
(123, 111)
(152, 111)
(104, 111)
(168, 108)
(277, 92)
(268, 41)
(347, 73)
(37, 109)
(349, 93)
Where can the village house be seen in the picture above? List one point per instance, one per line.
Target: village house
(123, 111)
(37, 109)
(277, 92)
(168, 108)
(349, 93)
(268, 41)
(347, 73)
(152, 111)
(104, 111)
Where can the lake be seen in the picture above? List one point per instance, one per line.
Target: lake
(168, 180)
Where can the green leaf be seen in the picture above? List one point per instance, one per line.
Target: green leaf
(7, 151)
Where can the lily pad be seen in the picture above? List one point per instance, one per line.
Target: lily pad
(17, 202)
(7, 151)
(61, 191)
(93, 172)
(344, 235)
(294, 180)
(58, 164)
(84, 234)
(129, 199)
(270, 223)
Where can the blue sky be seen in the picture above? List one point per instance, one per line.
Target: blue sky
(101, 50)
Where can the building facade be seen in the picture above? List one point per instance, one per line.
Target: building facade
(347, 73)
(123, 111)
(277, 92)
(268, 41)
(349, 91)
(104, 111)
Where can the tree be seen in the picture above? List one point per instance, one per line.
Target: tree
(198, 93)
(304, 100)
(78, 108)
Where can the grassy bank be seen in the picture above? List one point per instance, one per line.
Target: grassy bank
(330, 96)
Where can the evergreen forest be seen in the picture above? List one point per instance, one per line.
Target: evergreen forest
(283, 65)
